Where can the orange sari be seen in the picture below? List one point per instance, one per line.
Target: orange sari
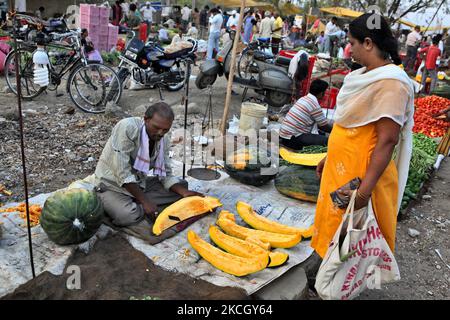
(349, 152)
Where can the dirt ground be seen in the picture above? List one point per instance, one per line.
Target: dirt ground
(63, 147)
(114, 270)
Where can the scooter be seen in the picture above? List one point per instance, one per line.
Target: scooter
(273, 81)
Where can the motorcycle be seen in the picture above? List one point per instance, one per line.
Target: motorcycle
(151, 66)
(273, 81)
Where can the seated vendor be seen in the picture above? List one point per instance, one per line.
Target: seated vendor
(163, 35)
(134, 176)
(297, 125)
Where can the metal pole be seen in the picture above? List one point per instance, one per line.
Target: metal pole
(232, 67)
(22, 144)
(434, 16)
(188, 75)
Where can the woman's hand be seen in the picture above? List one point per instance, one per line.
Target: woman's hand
(360, 201)
(319, 168)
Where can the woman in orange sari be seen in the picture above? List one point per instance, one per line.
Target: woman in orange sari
(374, 116)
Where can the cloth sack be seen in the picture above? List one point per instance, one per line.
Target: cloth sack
(358, 257)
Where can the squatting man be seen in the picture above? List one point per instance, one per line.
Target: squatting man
(134, 176)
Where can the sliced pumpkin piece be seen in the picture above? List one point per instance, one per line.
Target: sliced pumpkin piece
(224, 214)
(245, 248)
(224, 261)
(277, 258)
(262, 244)
(237, 246)
(276, 240)
(261, 223)
(303, 159)
(308, 233)
(184, 209)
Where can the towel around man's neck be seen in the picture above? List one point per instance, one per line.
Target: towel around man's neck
(142, 162)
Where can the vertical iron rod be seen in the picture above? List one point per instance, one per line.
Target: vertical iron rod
(22, 144)
(188, 75)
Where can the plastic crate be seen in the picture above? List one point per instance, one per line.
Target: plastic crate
(103, 39)
(89, 10)
(104, 12)
(94, 38)
(103, 21)
(113, 30)
(113, 39)
(93, 31)
(103, 30)
(89, 20)
(329, 99)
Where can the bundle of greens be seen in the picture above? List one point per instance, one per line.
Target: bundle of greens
(422, 159)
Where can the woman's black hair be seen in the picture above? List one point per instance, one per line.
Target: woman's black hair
(302, 68)
(381, 35)
(318, 86)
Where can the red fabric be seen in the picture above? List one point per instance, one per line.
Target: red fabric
(347, 53)
(143, 32)
(316, 24)
(432, 53)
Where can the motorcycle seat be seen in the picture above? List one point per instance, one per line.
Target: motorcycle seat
(264, 39)
(283, 61)
(176, 54)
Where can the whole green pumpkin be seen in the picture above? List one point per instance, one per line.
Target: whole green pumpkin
(71, 216)
(298, 182)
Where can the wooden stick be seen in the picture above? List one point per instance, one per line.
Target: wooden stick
(232, 68)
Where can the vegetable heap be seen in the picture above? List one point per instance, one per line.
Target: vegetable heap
(423, 120)
(422, 159)
(35, 212)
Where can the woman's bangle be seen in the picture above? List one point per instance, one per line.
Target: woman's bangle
(362, 196)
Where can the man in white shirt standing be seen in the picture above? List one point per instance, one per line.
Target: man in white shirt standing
(233, 20)
(265, 30)
(185, 17)
(215, 22)
(412, 44)
(331, 26)
(147, 13)
(125, 8)
(332, 32)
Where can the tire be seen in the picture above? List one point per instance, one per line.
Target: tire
(277, 99)
(29, 90)
(179, 85)
(204, 81)
(97, 78)
(122, 74)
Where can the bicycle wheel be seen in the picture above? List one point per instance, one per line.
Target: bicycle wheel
(90, 85)
(29, 89)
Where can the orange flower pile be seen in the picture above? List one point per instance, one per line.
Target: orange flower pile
(35, 212)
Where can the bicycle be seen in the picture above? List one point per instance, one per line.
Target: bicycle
(90, 84)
